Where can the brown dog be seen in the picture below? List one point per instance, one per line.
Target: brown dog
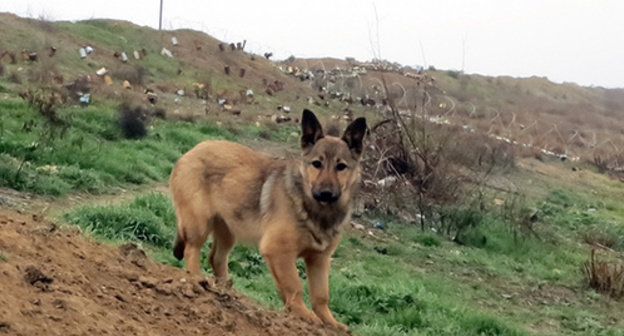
(288, 208)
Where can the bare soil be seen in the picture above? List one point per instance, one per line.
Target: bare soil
(55, 281)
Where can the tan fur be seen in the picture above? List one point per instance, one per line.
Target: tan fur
(228, 190)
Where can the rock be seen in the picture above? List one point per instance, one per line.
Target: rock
(147, 282)
(33, 275)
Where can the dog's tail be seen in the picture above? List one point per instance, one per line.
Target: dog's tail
(178, 247)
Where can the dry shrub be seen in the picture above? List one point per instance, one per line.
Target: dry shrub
(135, 74)
(15, 78)
(605, 276)
(45, 74)
(78, 87)
(417, 165)
(46, 101)
(133, 121)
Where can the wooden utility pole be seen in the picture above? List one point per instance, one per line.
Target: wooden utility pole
(160, 17)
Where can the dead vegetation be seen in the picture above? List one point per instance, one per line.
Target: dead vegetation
(604, 275)
(417, 168)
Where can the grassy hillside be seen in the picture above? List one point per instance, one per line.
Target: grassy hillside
(508, 273)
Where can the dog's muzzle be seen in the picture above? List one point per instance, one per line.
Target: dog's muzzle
(326, 196)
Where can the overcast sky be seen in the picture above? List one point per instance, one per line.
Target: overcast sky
(564, 40)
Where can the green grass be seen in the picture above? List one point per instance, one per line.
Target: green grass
(92, 157)
(409, 282)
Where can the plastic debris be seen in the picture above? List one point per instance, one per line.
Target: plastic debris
(286, 109)
(82, 52)
(180, 92)
(85, 98)
(387, 181)
(249, 93)
(176, 100)
(166, 52)
(174, 41)
(127, 85)
(108, 80)
(136, 55)
(222, 101)
(124, 57)
(101, 72)
(89, 49)
(152, 97)
(52, 52)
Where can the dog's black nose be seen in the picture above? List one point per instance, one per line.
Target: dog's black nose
(326, 196)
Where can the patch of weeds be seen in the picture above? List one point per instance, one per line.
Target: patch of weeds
(246, 262)
(149, 219)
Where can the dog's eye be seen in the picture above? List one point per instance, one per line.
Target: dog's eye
(341, 166)
(317, 164)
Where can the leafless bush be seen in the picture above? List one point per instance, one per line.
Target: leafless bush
(46, 101)
(605, 276)
(135, 74)
(15, 78)
(45, 74)
(133, 121)
(417, 164)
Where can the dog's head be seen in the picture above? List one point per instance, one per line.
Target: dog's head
(331, 164)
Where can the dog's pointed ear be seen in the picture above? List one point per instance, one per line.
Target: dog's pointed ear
(354, 135)
(311, 130)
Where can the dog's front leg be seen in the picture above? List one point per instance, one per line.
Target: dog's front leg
(317, 265)
(284, 270)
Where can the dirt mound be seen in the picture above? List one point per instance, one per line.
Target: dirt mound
(57, 282)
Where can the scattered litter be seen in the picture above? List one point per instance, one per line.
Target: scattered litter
(227, 106)
(108, 80)
(101, 72)
(591, 210)
(286, 109)
(124, 57)
(89, 49)
(174, 41)
(358, 226)
(249, 93)
(33, 57)
(136, 55)
(379, 225)
(222, 101)
(221, 47)
(499, 202)
(226, 69)
(387, 181)
(50, 169)
(278, 118)
(176, 100)
(166, 52)
(152, 97)
(180, 92)
(268, 55)
(241, 73)
(85, 98)
(52, 52)
(127, 85)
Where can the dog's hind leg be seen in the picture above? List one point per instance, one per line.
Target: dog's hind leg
(223, 241)
(194, 228)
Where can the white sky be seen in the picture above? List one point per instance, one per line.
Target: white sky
(564, 40)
